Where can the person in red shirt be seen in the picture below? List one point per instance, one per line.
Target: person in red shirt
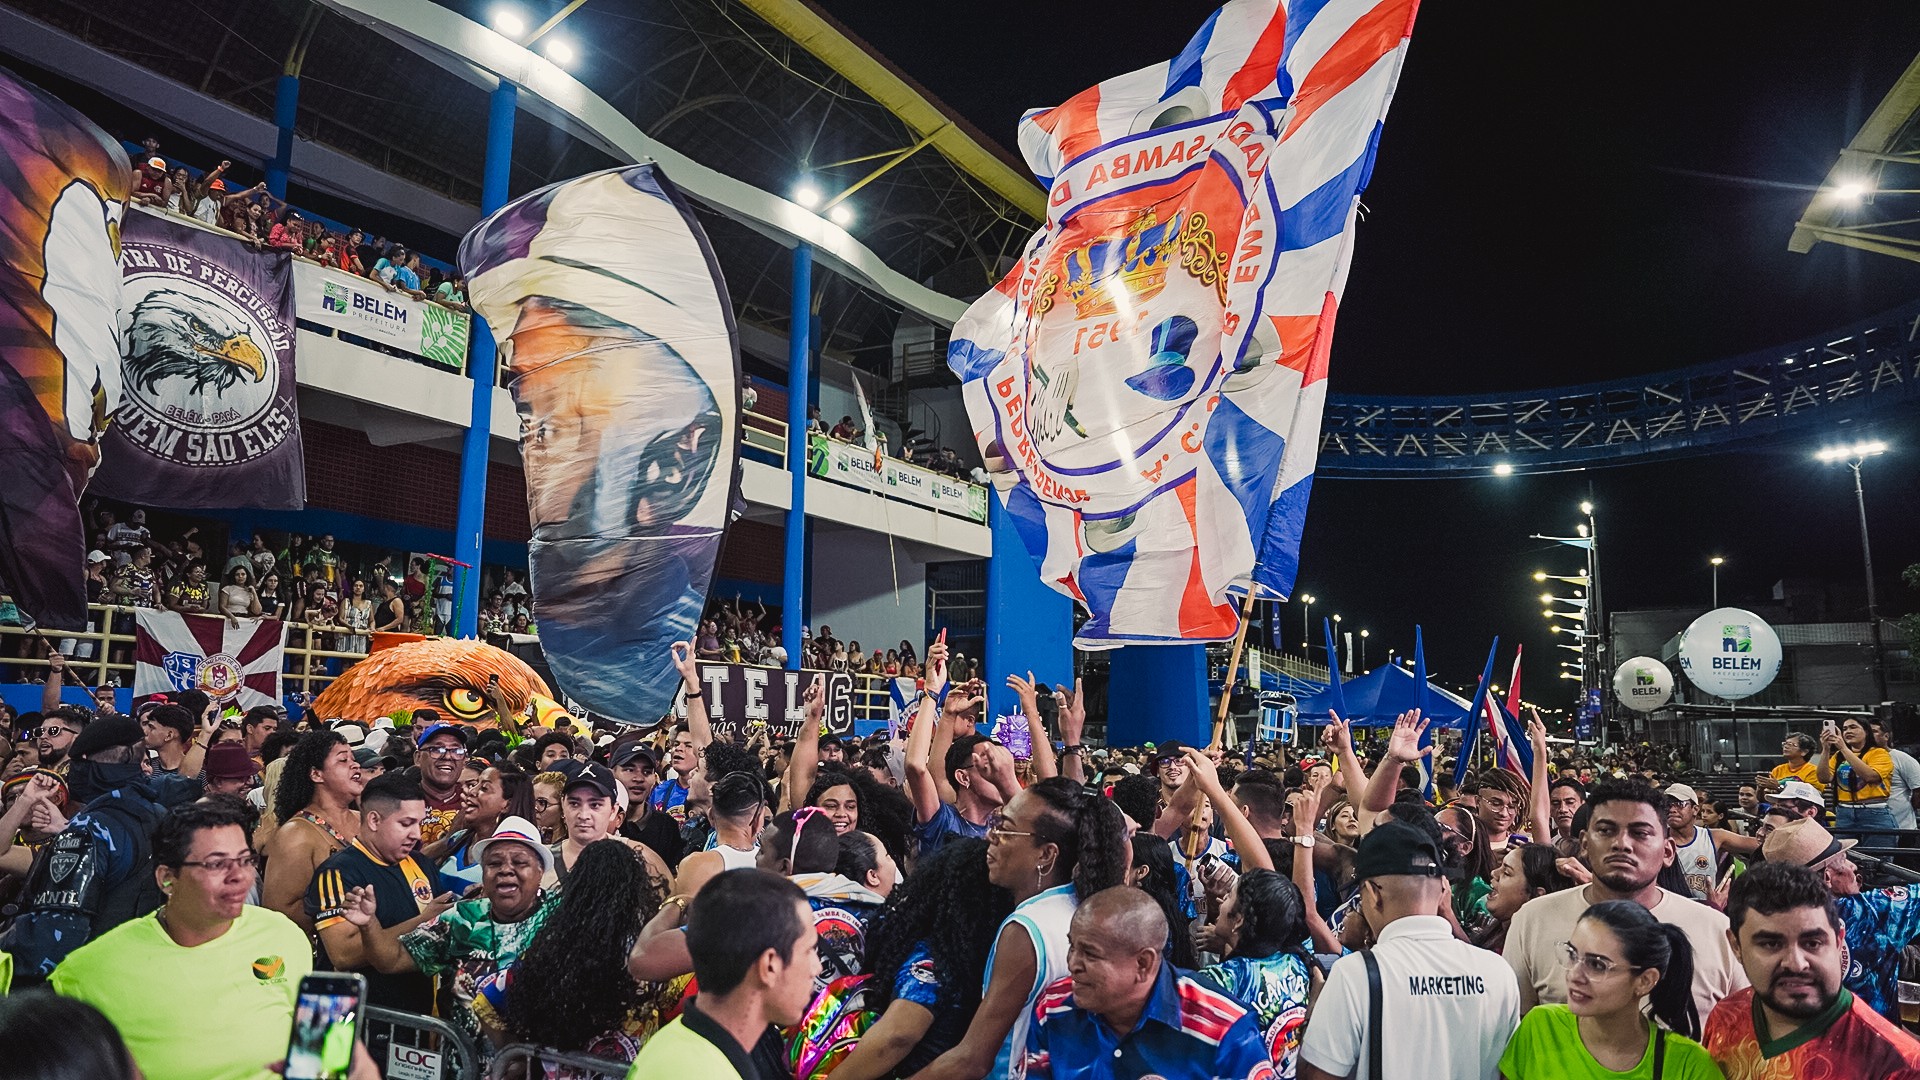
(1796, 1019)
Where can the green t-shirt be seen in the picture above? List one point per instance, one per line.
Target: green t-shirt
(1547, 1045)
(218, 1011)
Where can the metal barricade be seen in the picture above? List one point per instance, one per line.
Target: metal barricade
(408, 1046)
(522, 1061)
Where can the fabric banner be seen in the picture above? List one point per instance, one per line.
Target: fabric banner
(741, 698)
(235, 663)
(63, 191)
(358, 306)
(209, 417)
(1146, 383)
(845, 463)
(624, 364)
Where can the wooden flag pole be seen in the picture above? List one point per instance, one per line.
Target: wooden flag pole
(1233, 669)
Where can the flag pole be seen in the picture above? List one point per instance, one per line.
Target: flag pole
(1233, 669)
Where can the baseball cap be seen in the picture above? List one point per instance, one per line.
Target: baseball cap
(228, 761)
(632, 752)
(596, 776)
(1803, 843)
(156, 163)
(365, 756)
(217, 185)
(456, 730)
(1800, 791)
(1682, 793)
(520, 831)
(1395, 848)
(98, 556)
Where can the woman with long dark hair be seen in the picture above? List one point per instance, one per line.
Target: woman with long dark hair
(313, 803)
(1629, 1009)
(927, 950)
(1154, 874)
(876, 808)
(1469, 850)
(493, 795)
(1052, 846)
(1262, 930)
(1529, 870)
(570, 990)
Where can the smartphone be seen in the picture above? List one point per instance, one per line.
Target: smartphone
(326, 1021)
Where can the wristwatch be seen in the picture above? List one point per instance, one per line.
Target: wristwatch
(1304, 841)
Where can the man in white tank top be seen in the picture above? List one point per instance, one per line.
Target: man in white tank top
(1696, 849)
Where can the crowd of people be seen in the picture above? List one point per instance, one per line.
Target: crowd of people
(927, 904)
(739, 632)
(268, 223)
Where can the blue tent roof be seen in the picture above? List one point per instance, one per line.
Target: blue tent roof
(1376, 698)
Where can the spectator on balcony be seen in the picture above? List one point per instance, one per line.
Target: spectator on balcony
(286, 233)
(844, 430)
(238, 599)
(349, 254)
(326, 560)
(124, 536)
(135, 584)
(150, 183)
(707, 646)
(98, 585)
(273, 604)
(816, 424)
(356, 614)
(391, 613)
(211, 206)
(261, 557)
(177, 192)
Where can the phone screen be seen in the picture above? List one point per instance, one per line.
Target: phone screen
(326, 1021)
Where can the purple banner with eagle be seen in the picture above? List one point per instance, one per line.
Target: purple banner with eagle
(207, 415)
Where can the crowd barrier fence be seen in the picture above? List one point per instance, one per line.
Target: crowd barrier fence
(408, 1046)
(522, 1061)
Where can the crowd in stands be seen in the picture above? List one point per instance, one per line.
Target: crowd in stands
(740, 632)
(681, 905)
(940, 459)
(265, 222)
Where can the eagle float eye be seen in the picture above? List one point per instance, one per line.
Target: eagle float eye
(466, 703)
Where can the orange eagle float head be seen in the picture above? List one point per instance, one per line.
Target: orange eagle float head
(447, 675)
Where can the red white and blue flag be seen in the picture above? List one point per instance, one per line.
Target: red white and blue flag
(1146, 384)
(235, 663)
(1511, 750)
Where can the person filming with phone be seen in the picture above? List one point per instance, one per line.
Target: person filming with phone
(239, 965)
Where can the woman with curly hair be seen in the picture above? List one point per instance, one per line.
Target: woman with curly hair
(926, 951)
(855, 801)
(1262, 931)
(570, 990)
(1052, 846)
(318, 786)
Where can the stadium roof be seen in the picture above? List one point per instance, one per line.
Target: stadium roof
(1859, 204)
(724, 82)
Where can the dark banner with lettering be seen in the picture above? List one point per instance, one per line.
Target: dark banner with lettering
(207, 415)
(741, 698)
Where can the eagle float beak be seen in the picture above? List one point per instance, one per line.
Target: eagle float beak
(240, 351)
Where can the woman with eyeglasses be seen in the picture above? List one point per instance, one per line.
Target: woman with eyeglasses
(1470, 863)
(1528, 871)
(1052, 846)
(1629, 1010)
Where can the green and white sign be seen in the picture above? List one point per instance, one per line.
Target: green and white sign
(364, 308)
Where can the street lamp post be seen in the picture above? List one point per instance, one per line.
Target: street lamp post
(1333, 661)
(1716, 561)
(1364, 635)
(1855, 456)
(1306, 624)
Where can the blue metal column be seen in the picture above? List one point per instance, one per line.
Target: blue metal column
(481, 363)
(1156, 693)
(1029, 626)
(286, 106)
(799, 377)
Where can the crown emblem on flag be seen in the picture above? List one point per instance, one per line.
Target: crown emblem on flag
(1136, 261)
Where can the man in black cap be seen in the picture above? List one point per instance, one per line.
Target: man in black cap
(1449, 1006)
(98, 872)
(638, 767)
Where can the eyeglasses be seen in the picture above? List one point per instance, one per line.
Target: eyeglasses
(48, 732)
(444, 751)
(1596, 966)
(223, 867)
(997, 826)
(544, 805)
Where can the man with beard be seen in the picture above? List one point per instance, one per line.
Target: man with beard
(1796, 1019)
(58, 730)
(439, 754)
(1626, 845)
(98, 872)
(689, 738)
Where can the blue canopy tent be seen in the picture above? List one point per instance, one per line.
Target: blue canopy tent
(1376, 698)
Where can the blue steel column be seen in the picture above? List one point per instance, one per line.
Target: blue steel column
(286, 106)
(481, 363)
(1029, 626)
(799, 378)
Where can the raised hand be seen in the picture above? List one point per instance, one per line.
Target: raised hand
(1028, 693)
(359, 906)
(1202, 768)
(1404, 745)
(1336, 736)
(815, 697)
(1073, 712)
(936, 677)
(1303, 809)
(1536, 731)
(682, 652)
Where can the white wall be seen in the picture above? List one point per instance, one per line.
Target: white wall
(853, 587)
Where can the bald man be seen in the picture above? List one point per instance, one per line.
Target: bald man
(1123, 1011)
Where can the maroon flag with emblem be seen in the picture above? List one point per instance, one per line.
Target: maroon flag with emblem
(234, 662)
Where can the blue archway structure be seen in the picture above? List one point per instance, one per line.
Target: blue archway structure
(1871, 367)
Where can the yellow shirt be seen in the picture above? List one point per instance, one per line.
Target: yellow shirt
(1848, 790)
(1807, 771)
(218, 1011)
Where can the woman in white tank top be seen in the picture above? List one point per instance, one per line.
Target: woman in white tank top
(1051, 845)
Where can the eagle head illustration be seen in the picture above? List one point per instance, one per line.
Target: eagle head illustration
(176, 334)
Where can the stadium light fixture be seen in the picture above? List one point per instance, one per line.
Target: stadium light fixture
(560, 51)
(508, 23)
(807, 195)
(1852, 191)
(841, 215)
(1503, 469)
(1586, 508)
(1871, 448)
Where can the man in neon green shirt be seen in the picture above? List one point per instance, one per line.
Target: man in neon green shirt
(204, 988)
(751, 937)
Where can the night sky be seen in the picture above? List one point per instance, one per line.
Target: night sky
(1561, 196)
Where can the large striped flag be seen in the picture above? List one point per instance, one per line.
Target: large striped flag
(1511, 750)
(1146, 383)
(237, 665)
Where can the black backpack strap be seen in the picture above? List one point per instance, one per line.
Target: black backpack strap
(1659, 1049)
(1373, 1016)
